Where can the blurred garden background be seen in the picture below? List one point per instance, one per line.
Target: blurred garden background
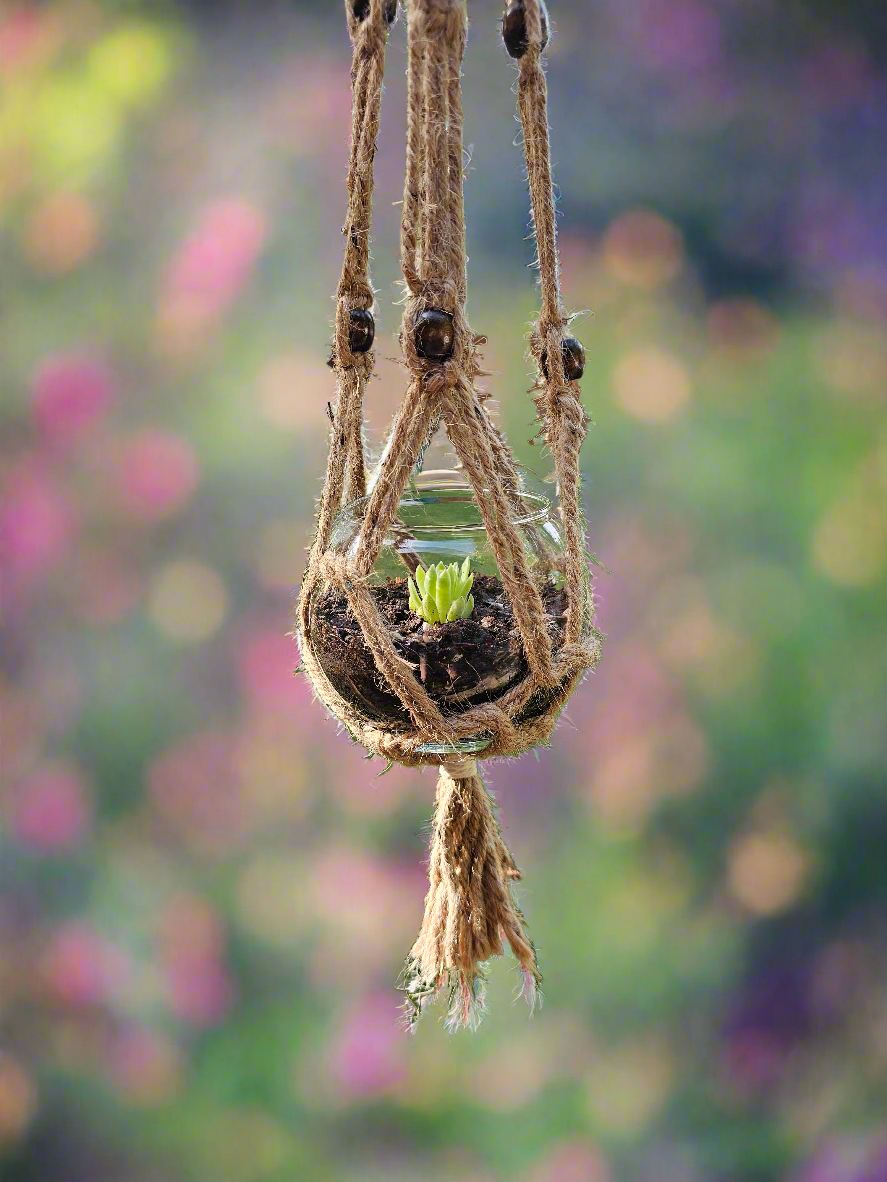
(206, 893)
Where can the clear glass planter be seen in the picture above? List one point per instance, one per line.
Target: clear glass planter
(462, 662)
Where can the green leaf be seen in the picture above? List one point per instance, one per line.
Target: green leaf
(440, 592)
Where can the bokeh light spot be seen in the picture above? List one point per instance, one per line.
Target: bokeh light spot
(642, 249)
(50, 811)
(270, 899)
(267, 660)
(852, 357)
(280, 557)
(572, 1161)
(131, 63)
(741, 329)
(629, 1084)
(270, 769)
(849, 544)
(61, 233)
(158, 473)
(368, 1053)
(147, 1067)
(69, 393)
(245, 1145)
(81, 967)
(208, 273)
(36, 521)
(188, 601)
(767, 872)
(647, 765)
(283, 391)
(191, 944)
(721, 660)
(510, 1077)
(18, 1099)
(78, 125)
(651, 384)
(193, 790)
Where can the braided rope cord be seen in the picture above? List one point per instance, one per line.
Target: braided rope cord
(346, 475)
(564, 421)
(434, 269)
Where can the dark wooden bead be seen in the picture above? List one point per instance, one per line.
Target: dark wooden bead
(361, 331)
(435, 338)
(574, 359)
(514, 27)
(361, 10)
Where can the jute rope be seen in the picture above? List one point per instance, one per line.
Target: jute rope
(346, 474)
(563, 417)
(469, 909)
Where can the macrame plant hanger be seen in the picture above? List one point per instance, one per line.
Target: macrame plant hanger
(469, 911)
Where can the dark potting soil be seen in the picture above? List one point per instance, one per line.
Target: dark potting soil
(459, 663)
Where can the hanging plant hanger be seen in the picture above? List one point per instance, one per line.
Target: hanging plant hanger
(402, 683)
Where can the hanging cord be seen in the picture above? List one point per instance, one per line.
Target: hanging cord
(563, 417)
(368, 25)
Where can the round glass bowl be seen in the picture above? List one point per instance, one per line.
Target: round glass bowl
(462, 662)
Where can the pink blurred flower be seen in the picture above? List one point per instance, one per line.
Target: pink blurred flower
(36, 522)
(267, 660)
(158, 474)
(846, 1159)
(50, 811)
(363, 786)
(674, 35)
(191, 946)
(194, 789)
(351, 887)
(212, 266)
(368, 1053)
(309, 111)
(753, 1061)
(572, 1161)
(200, 993)
(24, 33)
(366, 910)
(190, 927)
(81, 967)
(145, 1065)
(69, 392)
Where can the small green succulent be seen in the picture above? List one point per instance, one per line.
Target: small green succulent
(441, 592)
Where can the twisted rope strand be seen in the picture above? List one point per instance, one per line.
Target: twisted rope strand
(563, 416)
(345, 465)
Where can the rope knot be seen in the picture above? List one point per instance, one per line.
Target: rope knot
(459, 767)
(368, 24)
(442, 19)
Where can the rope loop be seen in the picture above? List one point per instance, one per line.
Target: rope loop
(368, 24)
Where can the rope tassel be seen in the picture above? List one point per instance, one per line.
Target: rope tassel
(469, 909)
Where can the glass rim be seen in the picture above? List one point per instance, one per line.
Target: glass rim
(538, 506)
